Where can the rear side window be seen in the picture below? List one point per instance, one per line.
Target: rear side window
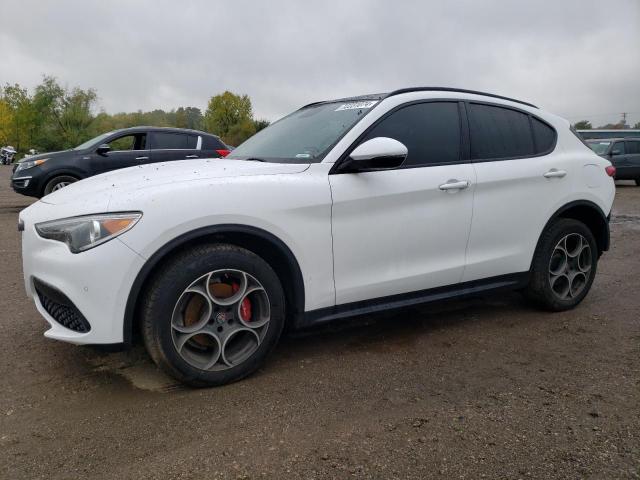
(498, 132)
(212, 143)
(170, 141)
(430, 131)
(632, 147)
(544, 135)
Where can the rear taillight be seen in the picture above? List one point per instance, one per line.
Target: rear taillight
(223, 153)
(611, 170)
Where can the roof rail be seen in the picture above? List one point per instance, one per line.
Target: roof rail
(459, 90)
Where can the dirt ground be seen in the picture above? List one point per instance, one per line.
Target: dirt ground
(481, 388)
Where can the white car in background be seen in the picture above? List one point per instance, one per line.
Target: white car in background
(342, 208)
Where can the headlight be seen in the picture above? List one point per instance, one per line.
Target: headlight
(88, 231)
(30, 164)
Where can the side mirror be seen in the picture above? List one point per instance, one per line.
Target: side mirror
(380, 153)
(103, 149)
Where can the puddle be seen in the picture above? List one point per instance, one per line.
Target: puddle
(139, 371)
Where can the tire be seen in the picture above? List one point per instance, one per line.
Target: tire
(637, 182)
(193, 332)
(555, 285)
(56, 183)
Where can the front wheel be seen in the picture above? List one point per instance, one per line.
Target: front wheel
(56, 183)
(564, 265)
(212, 315)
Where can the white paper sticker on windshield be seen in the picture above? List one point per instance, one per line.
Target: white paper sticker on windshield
(356, 105)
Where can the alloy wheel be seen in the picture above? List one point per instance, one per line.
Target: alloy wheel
(60, 185)
(570, 266)
(220, 320)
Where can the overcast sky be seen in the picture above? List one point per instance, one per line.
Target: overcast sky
(577, 58)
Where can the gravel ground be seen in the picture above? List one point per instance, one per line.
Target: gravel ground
(482, 388)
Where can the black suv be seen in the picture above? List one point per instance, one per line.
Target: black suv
(623, 153)
(41, 174)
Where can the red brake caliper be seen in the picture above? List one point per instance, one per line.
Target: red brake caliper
(245, 306)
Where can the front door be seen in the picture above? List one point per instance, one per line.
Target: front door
(126, 151)
(405, 230)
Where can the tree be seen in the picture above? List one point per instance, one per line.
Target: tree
(637, 126)
(260, 124)
(194, 116)
(230, 116)
(6, 123)
(22, 114)
(583, 125)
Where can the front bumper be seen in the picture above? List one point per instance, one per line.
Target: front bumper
(96, 282)
(26, 184)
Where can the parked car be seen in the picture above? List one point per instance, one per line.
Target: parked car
(42, 174)
(344, 207)
(7, 155)
(624, 154)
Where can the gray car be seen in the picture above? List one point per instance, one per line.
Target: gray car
(623, 153)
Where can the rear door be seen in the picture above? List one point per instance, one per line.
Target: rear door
(127, 150)
(519, 181)
(167, 146)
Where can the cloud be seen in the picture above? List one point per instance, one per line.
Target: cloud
(575, 57)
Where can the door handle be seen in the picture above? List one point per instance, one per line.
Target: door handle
(555, 173)
(142, 158)
(454, 185)
(191, 156)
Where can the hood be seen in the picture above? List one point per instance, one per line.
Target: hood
(40, 156)
(152, 175)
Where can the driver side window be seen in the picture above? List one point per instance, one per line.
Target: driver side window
(128, 142)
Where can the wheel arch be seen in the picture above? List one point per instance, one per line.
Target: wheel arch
(588, 213)
(264, 244)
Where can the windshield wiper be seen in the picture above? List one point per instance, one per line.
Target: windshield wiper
(255, 159)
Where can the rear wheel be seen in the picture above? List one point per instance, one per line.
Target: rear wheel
(564, 265)
(56, 183)
(212, 315)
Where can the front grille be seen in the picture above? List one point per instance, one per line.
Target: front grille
(61, 308)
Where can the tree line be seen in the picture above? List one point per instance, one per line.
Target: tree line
(52, 117)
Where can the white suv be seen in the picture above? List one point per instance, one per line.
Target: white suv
(342, 208)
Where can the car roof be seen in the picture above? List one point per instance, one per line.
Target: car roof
(380, 96)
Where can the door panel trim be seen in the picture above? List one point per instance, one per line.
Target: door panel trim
(323, 315)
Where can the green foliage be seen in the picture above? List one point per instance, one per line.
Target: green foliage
(637, 126)
(583, 125)
(54, 117)
(230, 116)
(6, 123)
(260, 124)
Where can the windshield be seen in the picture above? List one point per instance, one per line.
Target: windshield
(93, 141)
(599, 147)
(306, 135)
